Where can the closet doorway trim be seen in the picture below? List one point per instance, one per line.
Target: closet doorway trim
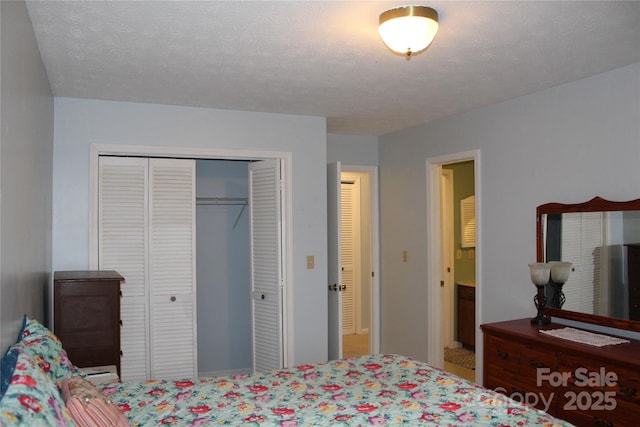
(97, 150)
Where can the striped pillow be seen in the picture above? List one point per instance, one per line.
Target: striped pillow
(88, 407)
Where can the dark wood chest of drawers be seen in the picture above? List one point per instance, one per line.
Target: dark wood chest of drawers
(466, 315)
(582, 384)
(87, 316)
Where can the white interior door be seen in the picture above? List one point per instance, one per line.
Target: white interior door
(172, 267)
(582, 236)
(348, 254)
(335, 271)
(122, 246)
(265, 183)
(146, 232)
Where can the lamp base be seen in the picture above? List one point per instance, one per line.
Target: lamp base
(558, 299)
(541, 320)
(540, 302)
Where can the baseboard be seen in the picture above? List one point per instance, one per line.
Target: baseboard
(225, 373)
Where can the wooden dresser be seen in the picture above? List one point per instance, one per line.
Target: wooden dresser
(87, 316)
(582, 384)
(466, 299)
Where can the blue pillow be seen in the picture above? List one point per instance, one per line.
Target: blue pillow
(25, 322)
(8, 362)
(7, 366)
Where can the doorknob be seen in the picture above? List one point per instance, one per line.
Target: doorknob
(333, 287)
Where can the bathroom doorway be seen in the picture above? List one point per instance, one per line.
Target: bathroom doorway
(453, 262)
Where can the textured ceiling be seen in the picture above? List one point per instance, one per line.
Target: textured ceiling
(325, 58)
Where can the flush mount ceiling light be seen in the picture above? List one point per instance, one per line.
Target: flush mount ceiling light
(408, 30)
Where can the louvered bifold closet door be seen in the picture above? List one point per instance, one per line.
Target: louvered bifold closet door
(582, 238)
(266, 268)
(122, 228)
(172, 268)
(347, 259)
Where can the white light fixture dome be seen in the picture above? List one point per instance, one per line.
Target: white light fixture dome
(408, 30)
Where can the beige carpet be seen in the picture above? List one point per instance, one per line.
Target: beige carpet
(355, 345)
(460, 356)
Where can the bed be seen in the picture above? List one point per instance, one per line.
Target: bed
(386, 389)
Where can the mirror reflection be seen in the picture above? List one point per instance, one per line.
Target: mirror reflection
(604, 248)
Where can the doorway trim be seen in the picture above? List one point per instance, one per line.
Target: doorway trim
(374, 331)
(447, 245)
(97, 150)
(435, 350)
(352, 185)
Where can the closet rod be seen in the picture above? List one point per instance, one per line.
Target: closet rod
(222, 201)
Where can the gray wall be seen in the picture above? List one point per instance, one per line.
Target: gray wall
(357, 150)
(80, 123)
(565, 144)
(223, 269)
(26, 144)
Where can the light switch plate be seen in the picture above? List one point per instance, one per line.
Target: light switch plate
(311, 262)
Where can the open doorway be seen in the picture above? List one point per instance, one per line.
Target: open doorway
(453, 262)
(355, 210)
(353, 261)
(457, 220)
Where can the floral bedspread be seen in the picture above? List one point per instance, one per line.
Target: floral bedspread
(369, 390)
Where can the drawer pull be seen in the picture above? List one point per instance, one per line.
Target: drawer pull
(173, 299)
(627, 392)
(602, 423)
(535, 364)
(502, 354)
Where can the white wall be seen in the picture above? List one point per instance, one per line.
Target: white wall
(565, 144)
(26, 144)
(223, 269)
(80, 123)
(358, 150)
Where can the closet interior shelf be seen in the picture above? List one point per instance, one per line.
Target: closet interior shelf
(225, 201)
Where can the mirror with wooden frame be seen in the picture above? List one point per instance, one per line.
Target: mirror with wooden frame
(601, 239)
